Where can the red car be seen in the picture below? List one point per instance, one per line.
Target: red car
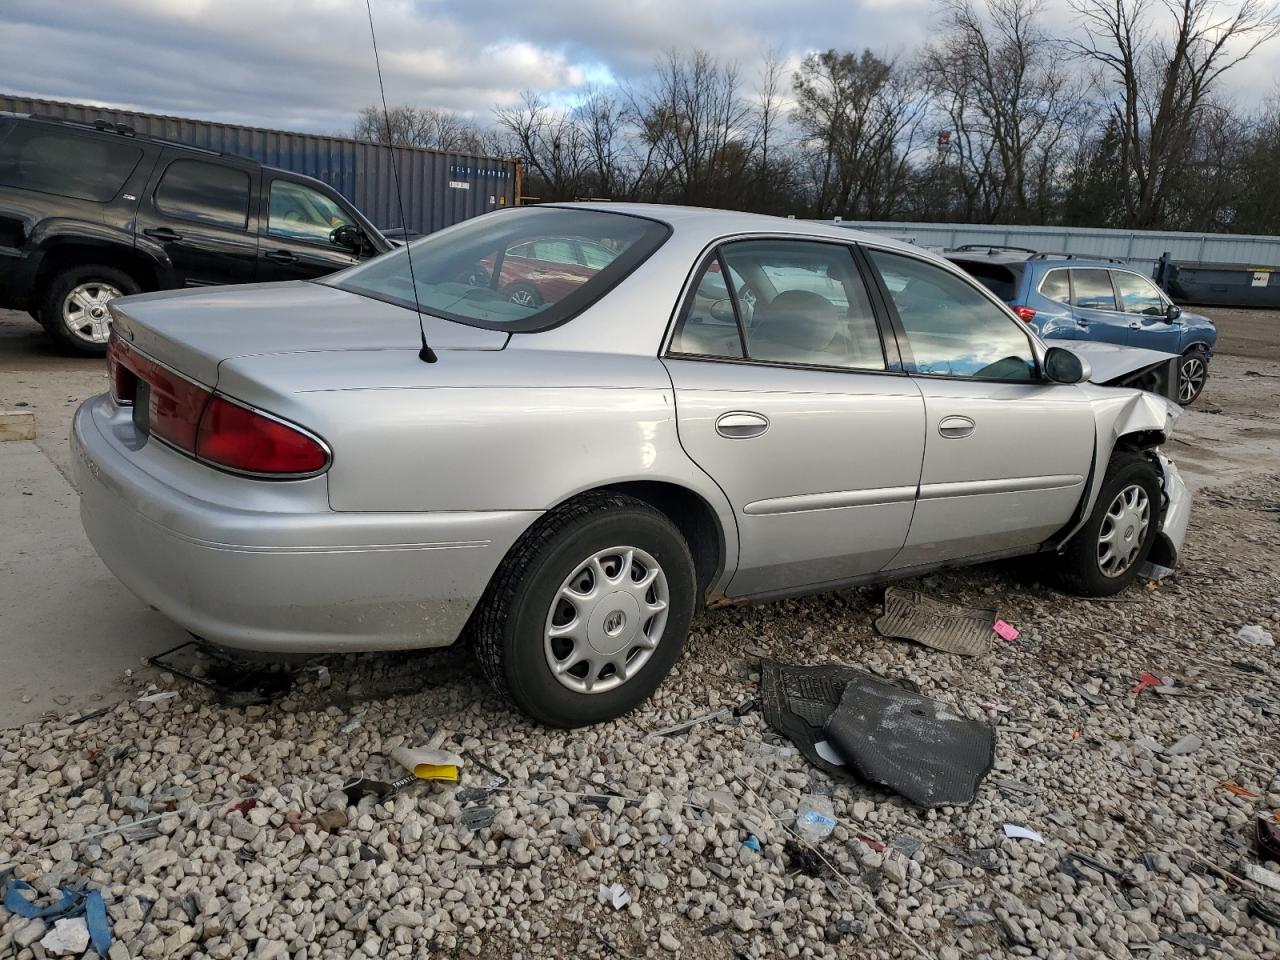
(548, 269)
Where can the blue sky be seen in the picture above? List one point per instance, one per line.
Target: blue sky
(308, 65)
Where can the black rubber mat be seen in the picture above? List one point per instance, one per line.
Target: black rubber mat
(910, 744)
(948, 627)
(797, 701)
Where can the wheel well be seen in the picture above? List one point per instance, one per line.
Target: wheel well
(1139, 441)
(691, 514)
(66, 255)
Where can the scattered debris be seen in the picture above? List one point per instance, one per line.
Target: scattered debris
(910, 615)
(1267, 837)
(75, 910)
(752, 842)
(242, 806)
(1016, 832)
(158, 697)
(972, 918)
(1013, 786)
(828, 753)
(354, 722)
(1267, 911)
(323, 678)
(235, 682)
(993, 708)
(428, 763)
(1149, 681)
(1006, 631)
(803, 858)
(1260, 875)
(67, 937)
(1256, 636)
(477, 818)
(616, 895)
(330, 820)
(1154, 571)
(722, 714)
(911, 744)
(815, 819)
(1187, 744)
(1238, 790)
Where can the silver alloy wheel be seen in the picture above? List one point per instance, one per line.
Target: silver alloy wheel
(606, 620)
(1191, 380)
(1124, 528)
(523, 297)
(84, 311)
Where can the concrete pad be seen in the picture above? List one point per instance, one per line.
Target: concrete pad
(17, 425)
(68, 628)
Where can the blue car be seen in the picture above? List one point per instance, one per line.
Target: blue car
(1069, 297)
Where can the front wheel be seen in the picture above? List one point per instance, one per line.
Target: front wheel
(74, 307)
(589, 611)
(1104, 555)
(1193, 373)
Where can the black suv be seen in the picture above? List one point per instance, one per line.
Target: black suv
(94, 211)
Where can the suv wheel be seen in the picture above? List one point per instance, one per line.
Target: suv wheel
(589, 611)
(74, 307)
(1104, 555)
(1193, 373)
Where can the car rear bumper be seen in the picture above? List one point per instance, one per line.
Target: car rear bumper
(309, 581)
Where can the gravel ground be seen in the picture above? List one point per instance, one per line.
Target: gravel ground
(405, 878)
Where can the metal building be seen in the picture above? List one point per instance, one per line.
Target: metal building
(439, 188)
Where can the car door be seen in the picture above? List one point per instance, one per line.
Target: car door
(197, 212)
(797, 412)
(298, 236)
(1006, 453)
(1146, 310)
(1094, 308)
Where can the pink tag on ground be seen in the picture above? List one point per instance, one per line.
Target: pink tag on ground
(1006, 631)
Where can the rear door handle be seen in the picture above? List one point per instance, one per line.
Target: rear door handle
(741, 424)
(955, 428)
(162, 233)
(282, 256)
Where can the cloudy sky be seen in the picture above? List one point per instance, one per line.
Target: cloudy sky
(308, 65)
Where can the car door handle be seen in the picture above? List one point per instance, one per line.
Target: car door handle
(741, 425)
(955, 428)
(282, 256)
(162, 233)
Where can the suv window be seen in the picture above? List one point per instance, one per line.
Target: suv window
(85, 167)
(795, 301)
(1056, 285)
(1000, 279)
(1138, 294)
(208, 192)
(953, 330)
(1093, 289)
(301, 213)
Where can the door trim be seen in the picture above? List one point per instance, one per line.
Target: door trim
(804, 502)
(973, 488)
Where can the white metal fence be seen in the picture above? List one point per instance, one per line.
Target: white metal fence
(1141, 247)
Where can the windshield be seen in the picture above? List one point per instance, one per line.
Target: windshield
(517, 270)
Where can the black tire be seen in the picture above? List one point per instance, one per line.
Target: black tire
(508, 628)
(525, 294)
(55, 296)
(1078, 568)
(1187, 372)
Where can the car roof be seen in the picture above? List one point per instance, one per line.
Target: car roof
(715, 223)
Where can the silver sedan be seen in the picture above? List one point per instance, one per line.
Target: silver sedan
(640, 411)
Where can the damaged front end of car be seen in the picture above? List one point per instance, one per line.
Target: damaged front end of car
(1113, 365)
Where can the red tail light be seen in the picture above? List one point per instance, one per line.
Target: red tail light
(207, 425)
(1025, 314)
(246, 441)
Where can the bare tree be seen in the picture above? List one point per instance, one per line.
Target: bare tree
(1159, 62)
(553, 145)
(857, 117)
(409, 126)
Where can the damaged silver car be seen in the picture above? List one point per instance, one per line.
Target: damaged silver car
(626, 413)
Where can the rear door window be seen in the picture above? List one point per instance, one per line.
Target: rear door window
(1138, 294)
(1093, 289)
(207, 192)
(83, 167)
(1056, 286)
(1000, 279)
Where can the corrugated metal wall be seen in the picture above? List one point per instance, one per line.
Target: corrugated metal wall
(1141, 247)
(439, 188)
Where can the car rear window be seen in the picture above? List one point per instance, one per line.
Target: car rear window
(517, 270)
(1000, 279)
(83, 167)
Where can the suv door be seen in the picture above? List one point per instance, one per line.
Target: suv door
(793, 407)
(1006, 452)
(197, 213)
(1146, 310)
(1093, 305)
(298, 238)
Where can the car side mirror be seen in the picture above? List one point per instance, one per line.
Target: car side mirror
(348, 235)
(1063, 366)
(1172, 312)
(722, 310)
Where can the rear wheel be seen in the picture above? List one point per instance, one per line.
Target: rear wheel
(589, 611)
(1193, 373)
(74, 307)
(1104, 555)
(525, 294)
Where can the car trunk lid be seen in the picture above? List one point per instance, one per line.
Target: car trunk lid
(195, 330)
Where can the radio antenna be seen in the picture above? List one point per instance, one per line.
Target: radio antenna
(426, 354)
